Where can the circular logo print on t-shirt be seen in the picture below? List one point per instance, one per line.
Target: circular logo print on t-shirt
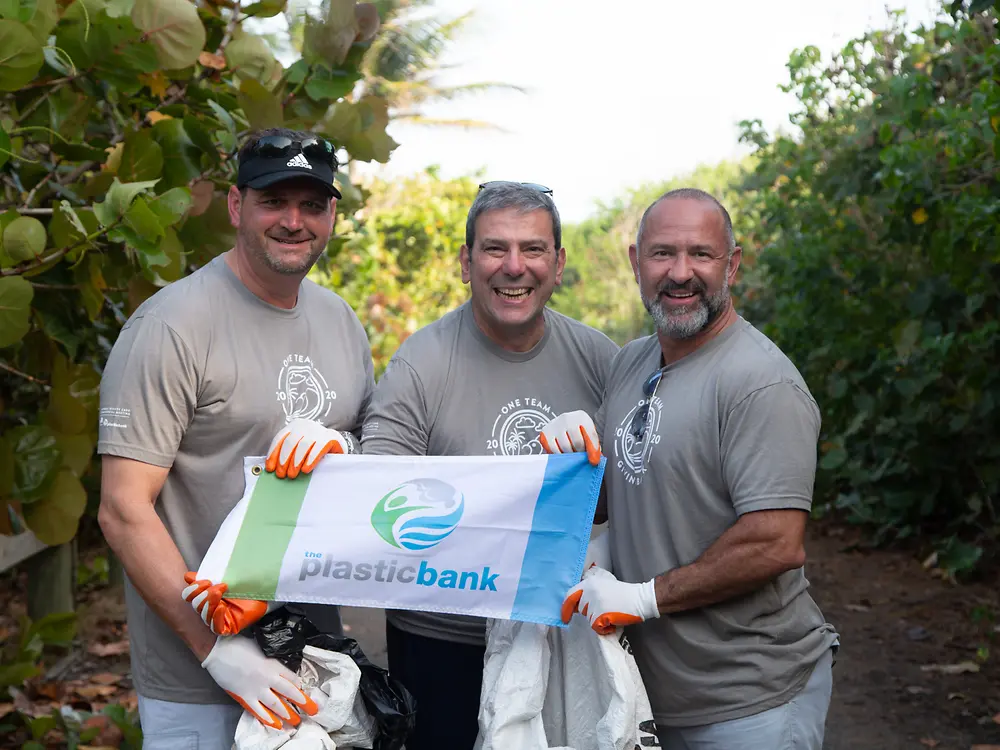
(302, 389)
(517, 428)
(637, 433)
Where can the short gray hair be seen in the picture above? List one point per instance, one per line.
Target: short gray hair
(501, 195)
(690, 194)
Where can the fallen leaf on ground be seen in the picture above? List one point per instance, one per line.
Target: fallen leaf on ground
(52, 690)
(960, 668)
(957, 696)
(6, 708)
(95, 691)
(929, 742)
(857, 608)
(106, 678)
(986, 747)
(996, 719)
(117, 648)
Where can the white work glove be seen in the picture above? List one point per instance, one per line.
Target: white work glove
(572, 432)
(609, 603)
(300, 445)
(263, 686)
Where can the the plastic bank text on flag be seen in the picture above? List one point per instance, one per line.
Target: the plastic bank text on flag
(492, 536)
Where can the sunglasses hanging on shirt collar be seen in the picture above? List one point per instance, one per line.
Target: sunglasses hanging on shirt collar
(640, 422)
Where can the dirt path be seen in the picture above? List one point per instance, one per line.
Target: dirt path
(895, 621)
(894, 618)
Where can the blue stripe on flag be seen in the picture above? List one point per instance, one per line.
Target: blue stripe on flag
(560, 532)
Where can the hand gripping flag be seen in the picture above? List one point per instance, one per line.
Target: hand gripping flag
(491, 536)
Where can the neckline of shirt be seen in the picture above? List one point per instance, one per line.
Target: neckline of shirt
(242, 289)
(469, 320)
(701, 351)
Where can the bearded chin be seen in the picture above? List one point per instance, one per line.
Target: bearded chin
(258, 249)
(689, 323)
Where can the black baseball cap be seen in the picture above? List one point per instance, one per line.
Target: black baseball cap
(258, 171)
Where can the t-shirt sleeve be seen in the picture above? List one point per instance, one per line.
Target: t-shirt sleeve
(369, 387)
(606, 352)
(149, 391)
(396, 423)
(769, 449)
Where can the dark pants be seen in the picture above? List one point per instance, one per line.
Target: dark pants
(446, 679)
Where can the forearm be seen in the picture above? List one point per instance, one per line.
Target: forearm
(156, 569)
(738, 562)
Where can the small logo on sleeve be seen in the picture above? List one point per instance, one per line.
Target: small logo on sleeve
(114, 416)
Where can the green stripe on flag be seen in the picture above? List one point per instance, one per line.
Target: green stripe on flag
(273, 511)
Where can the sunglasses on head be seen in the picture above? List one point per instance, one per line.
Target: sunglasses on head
(530, 185)
(640, 422)
(280, 146)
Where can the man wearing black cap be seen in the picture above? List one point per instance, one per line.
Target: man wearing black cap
(243, 357)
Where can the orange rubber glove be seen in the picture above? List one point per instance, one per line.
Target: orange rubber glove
(300, 445)
(223, 615)
(609, 603)
(572, 432)
(263, 686)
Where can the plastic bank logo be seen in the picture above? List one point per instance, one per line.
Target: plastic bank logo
(389, 571)
(418, 514)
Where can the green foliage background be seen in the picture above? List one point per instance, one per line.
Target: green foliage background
(879, 273)
(119, 121)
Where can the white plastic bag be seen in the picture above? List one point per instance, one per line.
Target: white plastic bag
(331, 679)
(548, 688)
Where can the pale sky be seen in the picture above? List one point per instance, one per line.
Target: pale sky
(623, 92)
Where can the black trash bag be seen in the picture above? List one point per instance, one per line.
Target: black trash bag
(283, 633)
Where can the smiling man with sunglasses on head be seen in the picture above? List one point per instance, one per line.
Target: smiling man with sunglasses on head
(243, 357)
(711, 435)
(482, 380)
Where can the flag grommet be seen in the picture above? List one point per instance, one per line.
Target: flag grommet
(256, 470)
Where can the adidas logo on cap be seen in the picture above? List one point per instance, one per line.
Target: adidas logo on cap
(299, 161)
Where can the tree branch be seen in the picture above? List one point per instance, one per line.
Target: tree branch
(38, 102)
(26, 376)
(38, 262)
(230, 28)
(41, 183)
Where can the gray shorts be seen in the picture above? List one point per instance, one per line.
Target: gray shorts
(798, 724)
(187, 726)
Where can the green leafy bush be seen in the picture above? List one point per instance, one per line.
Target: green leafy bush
(119, 121)
(880, 273)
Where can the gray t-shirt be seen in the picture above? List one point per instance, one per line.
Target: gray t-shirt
(732, 428)
(203, 374)
(451, 391)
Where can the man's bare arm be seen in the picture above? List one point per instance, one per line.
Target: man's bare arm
(760, 546)
(151, 559)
